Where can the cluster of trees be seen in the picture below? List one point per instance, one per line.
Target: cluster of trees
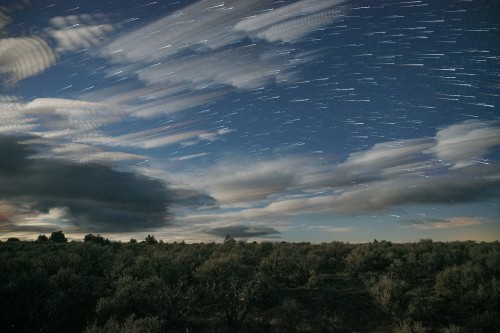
(51, 285)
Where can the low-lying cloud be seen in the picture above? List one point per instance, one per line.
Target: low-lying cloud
(91, 197)
(243, 231)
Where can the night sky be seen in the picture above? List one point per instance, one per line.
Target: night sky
(311, 120)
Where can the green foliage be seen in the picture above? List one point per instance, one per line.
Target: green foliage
(470, 291)
(151, 240)
(145, 298)
(131, 325)
(248, 287)
(58, 237)
(289, 316)
(409, 327)
(229, 240)
(231, 283)
(96, 239)
(329, 323)
(289, 265)
(390, 294)
(42, 238)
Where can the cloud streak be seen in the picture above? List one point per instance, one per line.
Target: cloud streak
(243, 231)
(454, 222)
(292, 22)
(174, 51)
(391, 174)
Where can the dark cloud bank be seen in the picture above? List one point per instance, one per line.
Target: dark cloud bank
(242, 231)
(96, 197)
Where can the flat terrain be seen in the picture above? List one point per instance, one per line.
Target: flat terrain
(51, 285)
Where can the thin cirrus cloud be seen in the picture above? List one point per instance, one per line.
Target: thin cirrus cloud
(292, 22)
(174, 50)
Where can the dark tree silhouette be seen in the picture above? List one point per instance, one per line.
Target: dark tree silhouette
(58, 237)
(96, 239)
(151, 240)
(42, 238)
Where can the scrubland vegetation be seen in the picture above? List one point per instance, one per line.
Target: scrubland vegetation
(51, 285)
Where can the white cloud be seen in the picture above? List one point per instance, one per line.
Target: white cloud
(242, 182)
(82, 153)
(199, 54)
(24, 57)
(55, 217)
(190, 157)
(292, 22)
(387, 175)
(465, 143)
(59, 114)
(76, 32)
(204, 25)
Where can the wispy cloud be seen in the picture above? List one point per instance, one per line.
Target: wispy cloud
(77, 115)
(232, 183)
(453, 222)
(389, 174)
(173, 52)
(292, 22)
(325, 228)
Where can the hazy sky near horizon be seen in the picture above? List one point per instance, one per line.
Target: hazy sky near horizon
(308, 120)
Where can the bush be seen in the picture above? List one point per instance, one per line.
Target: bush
(409, 327)
(58, 237)
(131, 325)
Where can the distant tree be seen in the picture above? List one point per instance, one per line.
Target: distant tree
(229, 240)
(96, 239)
(13, 239)
(151, 240)
(58, 237)
(42, 238)
(133, 240)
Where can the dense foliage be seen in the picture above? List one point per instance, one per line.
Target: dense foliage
(100, 286)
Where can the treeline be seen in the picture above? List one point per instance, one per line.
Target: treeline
(51, 285)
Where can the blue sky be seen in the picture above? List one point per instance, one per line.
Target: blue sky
(308, 120)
